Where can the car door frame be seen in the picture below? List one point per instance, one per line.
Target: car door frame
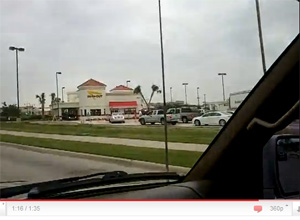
(159, 116)
(203, 120)
(153, 116)
(217, 118)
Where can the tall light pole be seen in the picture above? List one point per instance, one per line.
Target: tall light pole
(171, 94)
(223, 74)
(198, 97)
(57, 96)
(204, 101)
(260, 37)
(164, 86)
(62, 93)
(17, 49)
(128, 81)
(185, 84)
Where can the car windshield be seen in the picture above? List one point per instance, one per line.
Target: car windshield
(171, 111)
(67, 66)
(114, 114)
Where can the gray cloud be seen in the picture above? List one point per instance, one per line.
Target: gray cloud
(115, 40)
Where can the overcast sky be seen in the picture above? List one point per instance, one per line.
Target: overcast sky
(116, 40)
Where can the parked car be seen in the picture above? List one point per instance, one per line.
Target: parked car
(116, 118)
(144, 111)
(157, 116)
(185, 114)
(212, 118)
(69, 117)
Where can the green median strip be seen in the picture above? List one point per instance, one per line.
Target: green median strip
(176, 157)
(198, 135)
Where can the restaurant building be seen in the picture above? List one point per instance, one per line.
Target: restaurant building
(92, 100)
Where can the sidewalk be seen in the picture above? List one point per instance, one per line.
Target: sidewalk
(116, 141)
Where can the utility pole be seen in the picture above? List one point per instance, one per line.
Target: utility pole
(57, 96)
(223, 74)
(198, 97)
(260, 37)
(185, 84)
(62, 94)
(12, 48)
(171, 94)
(164, 87)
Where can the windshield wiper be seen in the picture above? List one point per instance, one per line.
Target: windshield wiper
(45, 189)
(17, 190)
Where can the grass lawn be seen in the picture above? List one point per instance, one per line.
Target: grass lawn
(176, 157)
(155, 133)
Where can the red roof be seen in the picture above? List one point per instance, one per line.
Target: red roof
(123, 104)
(91, 82)
(121, 87)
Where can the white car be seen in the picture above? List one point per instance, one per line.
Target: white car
(117, 117)
(212, 118)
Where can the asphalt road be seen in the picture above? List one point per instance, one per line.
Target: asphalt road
(19, 166)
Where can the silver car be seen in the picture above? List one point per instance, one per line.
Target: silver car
(157, 116)
(117, 117)
(212, 118)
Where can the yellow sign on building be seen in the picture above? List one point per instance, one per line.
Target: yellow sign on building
(94, 94)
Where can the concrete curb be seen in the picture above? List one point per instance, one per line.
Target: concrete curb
(119, 161)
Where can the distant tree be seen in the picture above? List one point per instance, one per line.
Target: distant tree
(170, 105)
(214, 107)
(155, 89)
(52, 95)
(42, 101)
(10, 110)
(138, 90)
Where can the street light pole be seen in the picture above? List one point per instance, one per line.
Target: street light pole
(18, 91)
(164, 87)
(204, 101)
(223, 74)
(260, 37)
(171, 94)
(185, 84)
(198, 97)
(57, 96)
(17, 70)
(62, 93)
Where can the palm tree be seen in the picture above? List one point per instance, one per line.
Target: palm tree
(52, 95)
(154, 88)
(42, 101)
(138, 90)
